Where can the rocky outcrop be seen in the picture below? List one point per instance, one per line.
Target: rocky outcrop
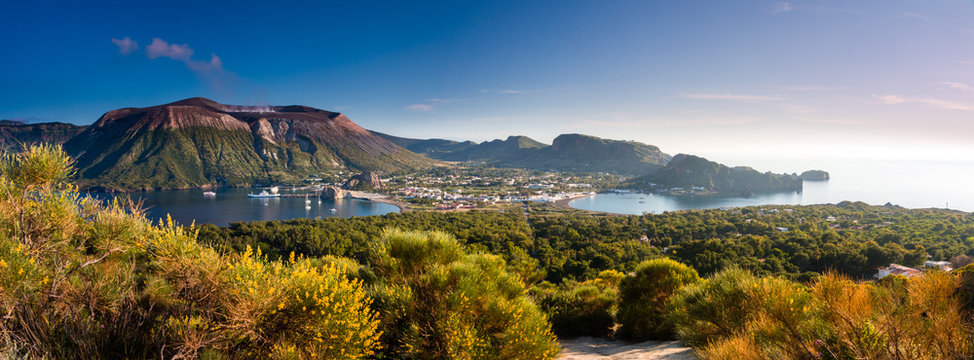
(367, 180)
(815, 175)
(333, 192)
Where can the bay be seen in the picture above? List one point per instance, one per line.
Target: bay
(911, 184)
(233, 205)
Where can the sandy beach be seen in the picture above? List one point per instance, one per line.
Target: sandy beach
(589, 348)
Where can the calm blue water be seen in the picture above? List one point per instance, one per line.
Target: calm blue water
(904, 183)
(232, 205)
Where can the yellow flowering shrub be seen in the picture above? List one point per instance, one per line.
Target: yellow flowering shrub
(88, 280)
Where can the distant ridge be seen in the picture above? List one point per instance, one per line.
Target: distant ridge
(688, 170)
(568, 152)
(199, 142)
(15, 134)
(652, 169)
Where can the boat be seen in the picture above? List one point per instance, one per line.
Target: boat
(209, 194)
(264, 194)
(333, 210)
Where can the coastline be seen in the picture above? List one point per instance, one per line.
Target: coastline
(563, 203)
(379, 198)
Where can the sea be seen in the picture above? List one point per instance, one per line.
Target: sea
(232, 205)
(911, 184)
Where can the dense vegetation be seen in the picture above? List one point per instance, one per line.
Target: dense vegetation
(83, 279)
(792, 241)
(80, 279)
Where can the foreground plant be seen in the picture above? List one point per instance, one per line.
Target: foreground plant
(82, 279)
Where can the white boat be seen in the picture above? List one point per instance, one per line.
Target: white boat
(264, 194)
(209, 194)
(333, 210)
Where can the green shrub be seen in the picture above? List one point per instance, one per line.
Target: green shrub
(643, 298)
(581, 309)
(438, 302)
(714, 308)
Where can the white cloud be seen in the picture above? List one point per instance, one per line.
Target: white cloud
(735, 97)
(782, 7)
(938, 103)
(126, 45)
(183, 53)
(420, 107)
(890, 99)
(501, 91)
(161, 48)
(958, 86)
(913, 15)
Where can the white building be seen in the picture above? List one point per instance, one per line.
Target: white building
(941, 265)
(896, 269)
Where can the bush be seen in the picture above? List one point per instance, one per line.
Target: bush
(438, 302)
(714, 308)
(644, 295)
(81, 279)
(581, 309)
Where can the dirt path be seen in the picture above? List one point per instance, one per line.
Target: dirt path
(587, 348)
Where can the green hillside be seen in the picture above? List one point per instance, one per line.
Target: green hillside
(14, 135)
(201, 143)
(688, 170)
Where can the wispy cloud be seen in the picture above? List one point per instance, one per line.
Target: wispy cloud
(938, 103)
(958, 86)
(625, 120)
(781, 7)
(420, 107)
(182, 52)
(211, 70)
(890, 99)
(501, 91)
(732, 97)
(126, 45)
(918, 16)
(161, 48)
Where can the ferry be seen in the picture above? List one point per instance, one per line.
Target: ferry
(264, 194)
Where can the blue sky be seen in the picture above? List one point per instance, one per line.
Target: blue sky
(726, 79)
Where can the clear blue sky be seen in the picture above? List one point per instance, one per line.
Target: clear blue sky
(871, 78)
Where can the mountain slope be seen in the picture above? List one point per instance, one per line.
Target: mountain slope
(427, 147)
(14, 134)
(577, 152)
(688, 170)
(568, 152)
(198, 142)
